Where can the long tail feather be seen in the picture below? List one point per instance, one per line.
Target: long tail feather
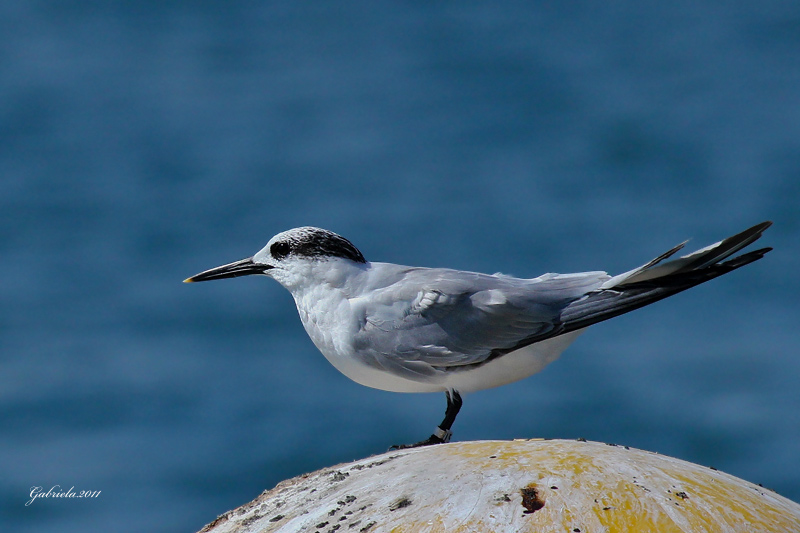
(702, 258)
(607, 303)
(650, 283)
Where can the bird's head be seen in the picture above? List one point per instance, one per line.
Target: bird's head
(291, 258)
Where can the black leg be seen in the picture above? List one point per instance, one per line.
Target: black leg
(442, 433)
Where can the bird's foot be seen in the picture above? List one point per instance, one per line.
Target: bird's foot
(439, 436)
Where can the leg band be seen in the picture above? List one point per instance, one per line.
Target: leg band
(443, 434)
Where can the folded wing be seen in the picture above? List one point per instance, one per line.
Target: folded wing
(430, 320)
(433, 319)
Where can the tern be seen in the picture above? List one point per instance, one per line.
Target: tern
(415, 329)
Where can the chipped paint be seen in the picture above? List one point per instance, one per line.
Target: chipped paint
(531, 499)
(537, 485)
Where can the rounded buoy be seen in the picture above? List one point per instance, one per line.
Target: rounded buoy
(527, 485)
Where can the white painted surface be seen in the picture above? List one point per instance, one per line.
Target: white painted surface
(495, 485)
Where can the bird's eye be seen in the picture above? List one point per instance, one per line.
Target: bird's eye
(279, 250)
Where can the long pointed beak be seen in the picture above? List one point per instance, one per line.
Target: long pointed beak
(245, 267)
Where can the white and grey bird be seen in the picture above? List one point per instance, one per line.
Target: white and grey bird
(414, 329)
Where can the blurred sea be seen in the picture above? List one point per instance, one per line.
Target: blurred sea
(142, 142)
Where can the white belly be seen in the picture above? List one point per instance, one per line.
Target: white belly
(511, 367)
(331, 324)
(506, 369)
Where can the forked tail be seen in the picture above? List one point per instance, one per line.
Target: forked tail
(657, 279)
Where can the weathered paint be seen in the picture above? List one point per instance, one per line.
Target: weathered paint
(522, 486)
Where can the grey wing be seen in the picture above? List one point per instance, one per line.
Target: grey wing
(430, 320)
(434, 319)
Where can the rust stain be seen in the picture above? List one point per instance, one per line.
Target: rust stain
(531, 500)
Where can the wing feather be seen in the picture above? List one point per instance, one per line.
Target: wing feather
(432, 319)
(425, 321)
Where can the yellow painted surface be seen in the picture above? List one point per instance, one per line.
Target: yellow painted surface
(499, 485)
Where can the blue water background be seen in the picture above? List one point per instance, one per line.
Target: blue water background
(142, 142)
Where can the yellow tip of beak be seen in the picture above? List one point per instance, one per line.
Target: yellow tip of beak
(188, 280)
